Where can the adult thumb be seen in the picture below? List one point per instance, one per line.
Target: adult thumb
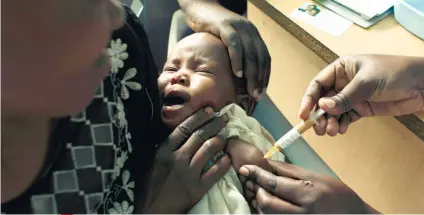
(353, 93)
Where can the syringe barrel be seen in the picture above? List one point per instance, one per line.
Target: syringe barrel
(288, 138)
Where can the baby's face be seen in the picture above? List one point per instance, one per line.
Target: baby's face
(197, 74)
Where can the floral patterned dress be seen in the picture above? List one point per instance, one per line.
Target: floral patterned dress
(97, 159)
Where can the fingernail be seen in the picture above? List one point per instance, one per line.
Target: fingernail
(259, 98)
(329, 103)
(208, 110)
(239, 73)
(302, 104)
(256, 94)
(244, 171)
(249, 185)
(262, 95)
(254, 204)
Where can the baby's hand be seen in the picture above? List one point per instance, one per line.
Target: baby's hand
(242, 153)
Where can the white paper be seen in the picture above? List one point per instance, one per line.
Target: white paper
(369, 8)
(321, 18)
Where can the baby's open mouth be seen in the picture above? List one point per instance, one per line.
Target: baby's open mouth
(174, 108)
(175, 98)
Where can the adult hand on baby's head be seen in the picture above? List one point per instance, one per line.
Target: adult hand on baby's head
(178, 182)
(248, 53)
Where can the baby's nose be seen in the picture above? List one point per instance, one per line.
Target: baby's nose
(180, 79)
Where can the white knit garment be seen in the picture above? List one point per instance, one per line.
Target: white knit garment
(226, 196)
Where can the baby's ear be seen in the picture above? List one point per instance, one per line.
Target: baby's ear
(246, 102)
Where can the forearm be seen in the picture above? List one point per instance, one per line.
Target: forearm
(416, 68)
(409, 69)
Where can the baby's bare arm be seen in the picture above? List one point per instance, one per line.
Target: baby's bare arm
(242, 153)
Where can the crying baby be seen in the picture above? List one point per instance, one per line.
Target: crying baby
(197, 74)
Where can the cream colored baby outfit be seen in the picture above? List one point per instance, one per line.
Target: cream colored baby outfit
(226, 196)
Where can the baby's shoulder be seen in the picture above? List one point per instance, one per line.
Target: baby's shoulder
(243, 153)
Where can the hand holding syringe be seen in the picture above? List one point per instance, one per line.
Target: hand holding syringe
(294, 133)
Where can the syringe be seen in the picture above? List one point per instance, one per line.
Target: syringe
(294, 133)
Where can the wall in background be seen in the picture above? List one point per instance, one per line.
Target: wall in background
(156, 17)
(378, 157)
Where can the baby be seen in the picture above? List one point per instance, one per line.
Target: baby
(198, 74)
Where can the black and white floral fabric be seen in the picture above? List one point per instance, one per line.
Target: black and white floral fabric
(98, 158)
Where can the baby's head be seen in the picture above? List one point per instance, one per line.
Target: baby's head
(198, 74)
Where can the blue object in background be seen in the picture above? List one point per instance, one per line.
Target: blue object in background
(410, 14)
(418, 4)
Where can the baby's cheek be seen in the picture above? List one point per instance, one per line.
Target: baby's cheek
(208, 93)
(163, 80)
